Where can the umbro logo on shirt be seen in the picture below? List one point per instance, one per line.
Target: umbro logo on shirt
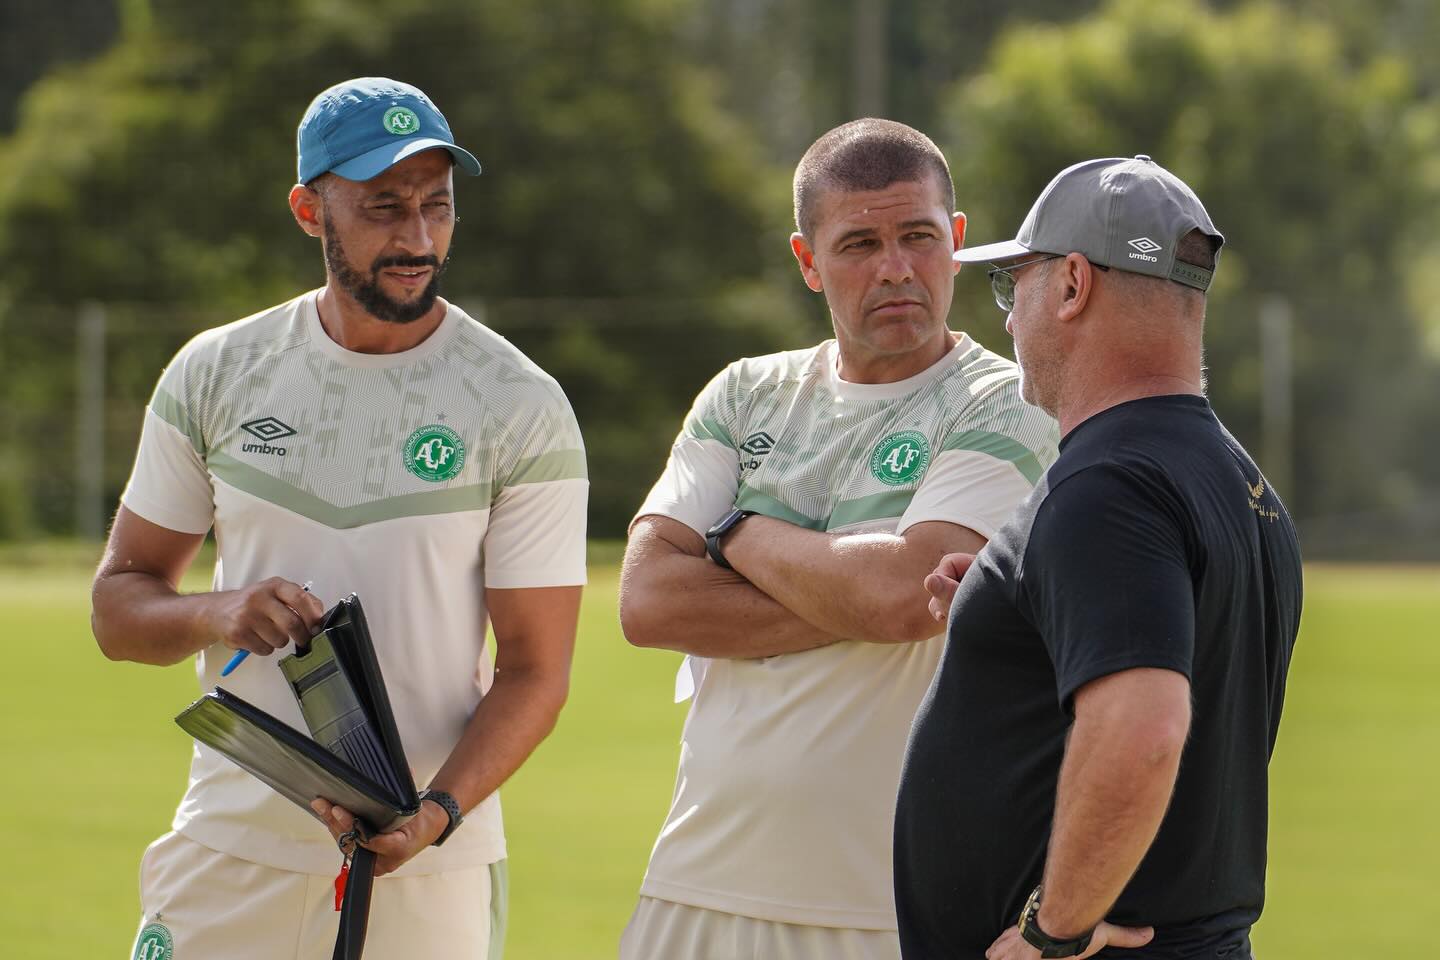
(756, 445)
(266, 429)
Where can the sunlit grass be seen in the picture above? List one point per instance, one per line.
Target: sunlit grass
(94, 766)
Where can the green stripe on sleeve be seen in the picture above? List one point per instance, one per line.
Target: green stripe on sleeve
(764, 503)
(258, 484)
(877, 506)
(169, 409)
(1000, 447)
(554, 465)
(704, 428)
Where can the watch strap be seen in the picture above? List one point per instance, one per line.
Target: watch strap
(452, 809)
(1047, 945)
(721, 527)
(712, 547)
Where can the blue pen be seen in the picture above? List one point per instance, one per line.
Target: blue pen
(240, 655)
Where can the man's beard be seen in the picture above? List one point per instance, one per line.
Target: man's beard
(365, 290)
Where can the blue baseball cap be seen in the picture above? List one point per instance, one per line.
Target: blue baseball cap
(360, 128)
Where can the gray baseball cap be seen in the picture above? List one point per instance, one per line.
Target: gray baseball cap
(1125, 214)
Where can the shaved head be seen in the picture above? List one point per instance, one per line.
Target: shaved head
(867, 154)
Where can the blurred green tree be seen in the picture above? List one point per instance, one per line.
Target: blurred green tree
(618, 233)
(790, 67)
(1409, 29)
(1317, 164)
(629, 231)
(38, 35)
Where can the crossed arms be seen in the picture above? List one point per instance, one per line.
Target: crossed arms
(792, 589)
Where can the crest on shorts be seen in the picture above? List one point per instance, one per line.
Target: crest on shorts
(154, 943)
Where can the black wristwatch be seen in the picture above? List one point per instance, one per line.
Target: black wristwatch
(721, 527)
(1046, 944)
(451, 808)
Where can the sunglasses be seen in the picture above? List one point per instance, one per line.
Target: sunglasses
(1002, 279)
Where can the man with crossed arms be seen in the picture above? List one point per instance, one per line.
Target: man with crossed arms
(830, 481)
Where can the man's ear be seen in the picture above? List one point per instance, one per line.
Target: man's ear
(805, 256)
(1078, 277)
(305, 205)
(958, 231)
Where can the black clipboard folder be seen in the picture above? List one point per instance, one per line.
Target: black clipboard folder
(353, 755)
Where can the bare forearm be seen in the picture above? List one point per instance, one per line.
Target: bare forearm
(673, 597)
(867, 586)
(1115, 784)
(516, 714)
(686, 603)
(138, 614)
(140, 617)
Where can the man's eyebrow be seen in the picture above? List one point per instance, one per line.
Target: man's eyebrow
(392, 195)
(861, 233)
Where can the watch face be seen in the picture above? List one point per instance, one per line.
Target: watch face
(726, 522)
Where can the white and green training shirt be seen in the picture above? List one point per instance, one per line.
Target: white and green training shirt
(414, 479)
(789, 765)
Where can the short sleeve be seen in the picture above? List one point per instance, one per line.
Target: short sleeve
(536, 531)
(170, 484)
(1106, 579)
(988, 463)
(702, 475)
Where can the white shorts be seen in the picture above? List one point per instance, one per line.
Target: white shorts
(200, 904)
(661, 930)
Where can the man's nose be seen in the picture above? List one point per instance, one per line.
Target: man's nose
(895, 266)
(413, 237)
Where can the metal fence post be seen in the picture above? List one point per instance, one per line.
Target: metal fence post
(89, 457)
(870, 46)
(1277, 399)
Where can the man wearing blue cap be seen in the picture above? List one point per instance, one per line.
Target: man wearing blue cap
(1088, 773)
(365, 437)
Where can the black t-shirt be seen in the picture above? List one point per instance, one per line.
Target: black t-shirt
(1153, 541)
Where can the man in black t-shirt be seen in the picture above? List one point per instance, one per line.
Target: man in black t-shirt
(1087, 775)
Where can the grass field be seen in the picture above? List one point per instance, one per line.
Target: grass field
(94, 767)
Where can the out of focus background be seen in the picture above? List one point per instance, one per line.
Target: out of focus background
(629, 231)
(630, 234)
